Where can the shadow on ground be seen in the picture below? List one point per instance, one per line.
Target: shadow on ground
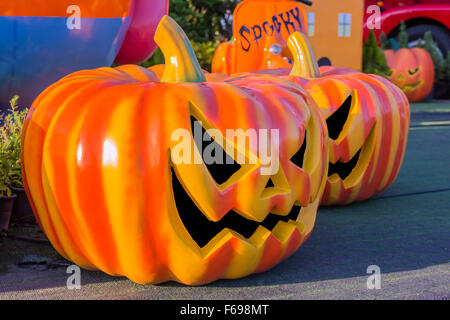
(397, 233)
(348, 240)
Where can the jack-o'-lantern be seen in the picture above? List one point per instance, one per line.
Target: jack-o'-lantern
(412, 70)
(367, 118)
(368, 121)
(117, 165)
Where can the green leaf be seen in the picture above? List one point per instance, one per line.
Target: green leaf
(403, 40)
(374, 60)
(10, 147)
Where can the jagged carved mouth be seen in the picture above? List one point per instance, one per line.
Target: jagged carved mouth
(343, 169)
(411, 86)
(203, 230)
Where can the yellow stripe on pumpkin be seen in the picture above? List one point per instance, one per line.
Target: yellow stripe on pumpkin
(305, 64)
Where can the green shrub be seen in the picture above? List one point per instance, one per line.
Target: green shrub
(10, 147)
(204, 20)
(403, 40)
(374, 60)
(447, 68)
(384, 41)
(205, 52)
(430, 46)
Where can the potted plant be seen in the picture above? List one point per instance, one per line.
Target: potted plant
(11, 184)
(6, 205)
(6, 196)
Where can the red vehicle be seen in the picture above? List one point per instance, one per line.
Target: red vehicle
(419, 16)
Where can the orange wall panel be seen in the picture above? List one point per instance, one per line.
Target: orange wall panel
(342, 51)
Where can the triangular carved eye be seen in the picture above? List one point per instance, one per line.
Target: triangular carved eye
(337, 120)
(270, 184)
(413, 72)
(299, 156)
(220, 170)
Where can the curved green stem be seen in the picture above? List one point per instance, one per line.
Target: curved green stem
(305, 64)
(181, 63)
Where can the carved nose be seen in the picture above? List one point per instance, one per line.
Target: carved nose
(270, 184)
(276, 185)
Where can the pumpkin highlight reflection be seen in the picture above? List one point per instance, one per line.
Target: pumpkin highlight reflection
(99, 168)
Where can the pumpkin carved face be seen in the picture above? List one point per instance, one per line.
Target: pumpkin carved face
(104, 169)
(367, 119)
(412, 71)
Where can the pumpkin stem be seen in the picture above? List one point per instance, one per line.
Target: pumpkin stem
(305, 64)
(181, 63)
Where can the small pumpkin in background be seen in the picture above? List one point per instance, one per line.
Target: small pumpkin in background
(367, 118)
(412, 70)
(99, 168)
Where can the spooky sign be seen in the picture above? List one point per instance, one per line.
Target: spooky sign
(259, 24)
(290, 20)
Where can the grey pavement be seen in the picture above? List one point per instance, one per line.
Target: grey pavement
(405, 231)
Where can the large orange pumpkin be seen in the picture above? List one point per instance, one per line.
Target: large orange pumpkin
(99, 169)
(367, 118)
(412, 70)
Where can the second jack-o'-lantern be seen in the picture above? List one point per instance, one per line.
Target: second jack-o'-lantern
(367, 118)
(119, 181)
(412, 70)
(368, 121)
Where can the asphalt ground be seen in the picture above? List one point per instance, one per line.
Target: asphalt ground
(405, 232)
